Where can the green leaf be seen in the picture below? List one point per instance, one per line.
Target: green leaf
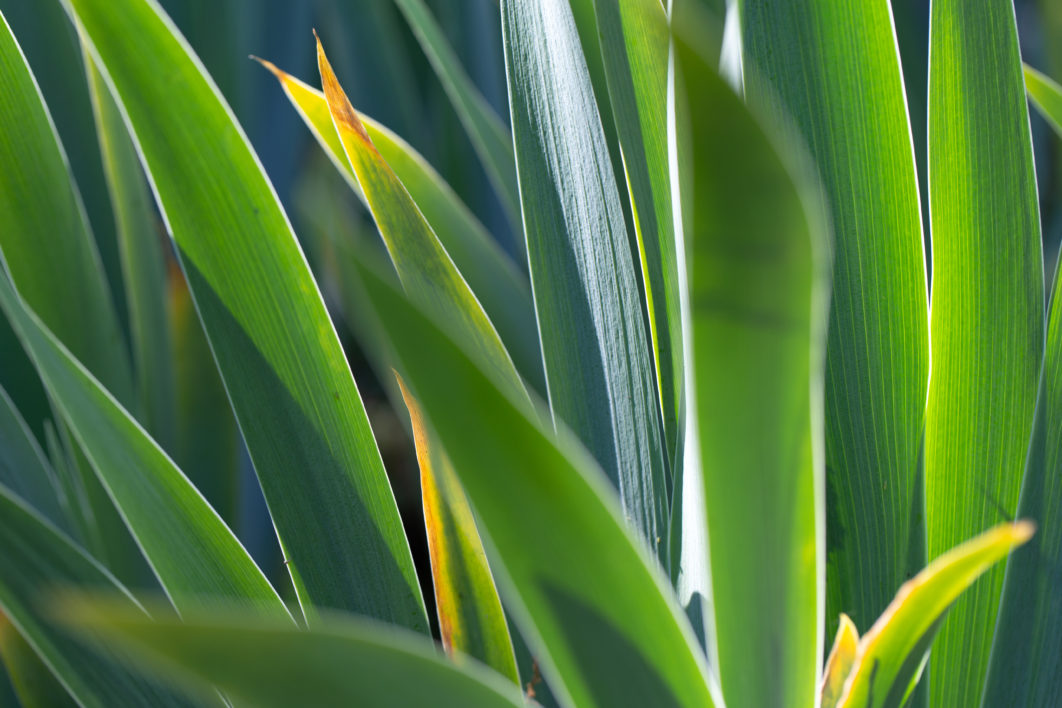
(35, 685)
(347, 661)
(1046, 96)
(634, 44)
(189, 547)
(424, 267)
(492, 276)
(471, 619)
(279, 356)
(599, 370)
(488, 134)
(143, 264)
(64, 281)
(756, 252)
(891, 655)
(1026, 662)
(987, 311)
(586, 592)
(25, 470)
(37, 558)
(835, 70)
(39, 204)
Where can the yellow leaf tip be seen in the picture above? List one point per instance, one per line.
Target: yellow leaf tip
(1023, 530)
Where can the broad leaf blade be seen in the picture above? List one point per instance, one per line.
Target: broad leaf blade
(190, 549)
(987, 321)
(278, 353)
(890, 654)
(424, 267)
(758, 284)
(585, 591)
(489, 137)
(634, 44)
(492, 276)
(143, 264)
(835, 69)
(471, 619)
(595, 346)
(256, 662)
(38, 557)
(1026, 662)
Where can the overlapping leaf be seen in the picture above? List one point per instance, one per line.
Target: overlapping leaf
(987, 321)
(599, 369)
(1026, 662)
(835, 69)
(278, 353)
(586, 593)
(756, 266)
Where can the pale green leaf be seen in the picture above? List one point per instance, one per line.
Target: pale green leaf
(987, 311)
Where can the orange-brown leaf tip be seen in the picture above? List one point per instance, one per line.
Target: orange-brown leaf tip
(271, 67)
(338, 104)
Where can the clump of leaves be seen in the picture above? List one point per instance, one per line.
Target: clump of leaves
(625, 453)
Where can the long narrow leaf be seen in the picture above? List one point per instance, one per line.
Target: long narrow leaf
(585, 591)
(756, 254)
(143, 264)
(37, 557)
(835, 69)
(1026, 662)
(187, 545)
(489, 137)
(987, 315)
(496, 281)
(634, 44)
(44, 234)
(261, 663)
(424, 267)
(280, 358)
(471, 619)
(25, 470)
(595, 346)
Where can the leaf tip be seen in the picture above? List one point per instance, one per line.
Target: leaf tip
(338, 104)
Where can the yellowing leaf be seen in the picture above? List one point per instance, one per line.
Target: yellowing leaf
(840, 661)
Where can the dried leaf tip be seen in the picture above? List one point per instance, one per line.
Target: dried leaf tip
(271, 67)
(338, 104)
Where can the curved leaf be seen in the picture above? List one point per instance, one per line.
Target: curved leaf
(586, 593)
(278, 353)
(189, 547)
(756, 251)
(891, 654)
(492, 276)
(424, 267)
(471, 619)
(38, 557)
(839, 662)
(346, 662)
(25, 470)
(143, 264)
(599, 371)
(987, 314)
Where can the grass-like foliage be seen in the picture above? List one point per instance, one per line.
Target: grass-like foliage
(716, 415)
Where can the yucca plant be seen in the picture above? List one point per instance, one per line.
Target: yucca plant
(714, 422)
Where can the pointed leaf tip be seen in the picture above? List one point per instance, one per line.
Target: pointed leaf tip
(342, 111)
(840, 661)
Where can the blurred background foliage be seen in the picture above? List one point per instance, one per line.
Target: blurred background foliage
(388, 77)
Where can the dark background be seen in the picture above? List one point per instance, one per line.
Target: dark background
(388, 77)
